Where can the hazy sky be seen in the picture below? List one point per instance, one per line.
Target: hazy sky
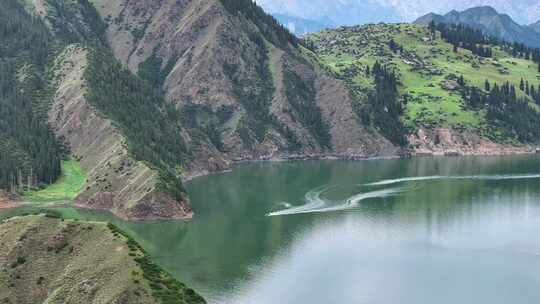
(361, 11)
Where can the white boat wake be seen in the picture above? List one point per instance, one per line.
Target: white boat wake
(316, 204)
(441, 177)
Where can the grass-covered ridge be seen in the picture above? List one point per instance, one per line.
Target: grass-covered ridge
(67, 187)
(434, 77)
(48, 259)
(164, 287)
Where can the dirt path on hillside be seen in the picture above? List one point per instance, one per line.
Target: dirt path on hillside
(6, 201)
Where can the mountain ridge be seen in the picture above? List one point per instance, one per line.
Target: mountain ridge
(356, 12)
(491, 22)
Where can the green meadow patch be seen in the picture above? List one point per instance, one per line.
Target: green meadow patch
(66, 188)
(428, 71)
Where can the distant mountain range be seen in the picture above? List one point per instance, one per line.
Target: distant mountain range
(355, 12)
(342, 12)
(491, 22)
(485, 18)
(301, 26)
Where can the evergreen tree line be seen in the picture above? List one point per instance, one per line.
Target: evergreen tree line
(30, 155)
(385, 106)
(151, 125)
(475, 40)
(530, 90)
(506, 110)
(255, 94)
(460, 35)
(520, 50)
(301, 95)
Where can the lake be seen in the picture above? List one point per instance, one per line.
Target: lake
(421, 230)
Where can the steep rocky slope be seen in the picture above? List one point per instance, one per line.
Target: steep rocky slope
(48, 260)
(116, 181)
(48, 50)
(245, 93)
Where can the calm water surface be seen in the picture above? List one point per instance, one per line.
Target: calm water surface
(428, 230)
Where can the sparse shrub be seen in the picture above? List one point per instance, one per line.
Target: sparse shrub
(20, 260)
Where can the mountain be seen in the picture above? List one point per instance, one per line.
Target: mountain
(112, 104)
(343, 12)
(355, 12)
(127, 98)
(535, 26)
(523, 11)
(489, 21)
(450, 100)
(45, 259)
(300, 26)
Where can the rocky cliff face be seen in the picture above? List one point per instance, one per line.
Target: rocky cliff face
(116, 181)
(248, 94)
(452, 142)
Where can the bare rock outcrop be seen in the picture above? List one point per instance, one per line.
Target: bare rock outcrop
(451, 142)
(7, 200)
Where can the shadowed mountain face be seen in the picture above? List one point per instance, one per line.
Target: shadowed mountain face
(490, 22)
(535, 26)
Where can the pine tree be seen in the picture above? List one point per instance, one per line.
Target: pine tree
(432, 28)
(461, 80)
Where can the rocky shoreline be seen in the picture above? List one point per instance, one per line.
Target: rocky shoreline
(497, 150)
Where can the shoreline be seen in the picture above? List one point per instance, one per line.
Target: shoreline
(528, 150)
(9, 202)
(292, 158)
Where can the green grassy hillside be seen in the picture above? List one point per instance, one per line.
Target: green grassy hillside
(46, 259)
(429, 72)
(67, 187)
